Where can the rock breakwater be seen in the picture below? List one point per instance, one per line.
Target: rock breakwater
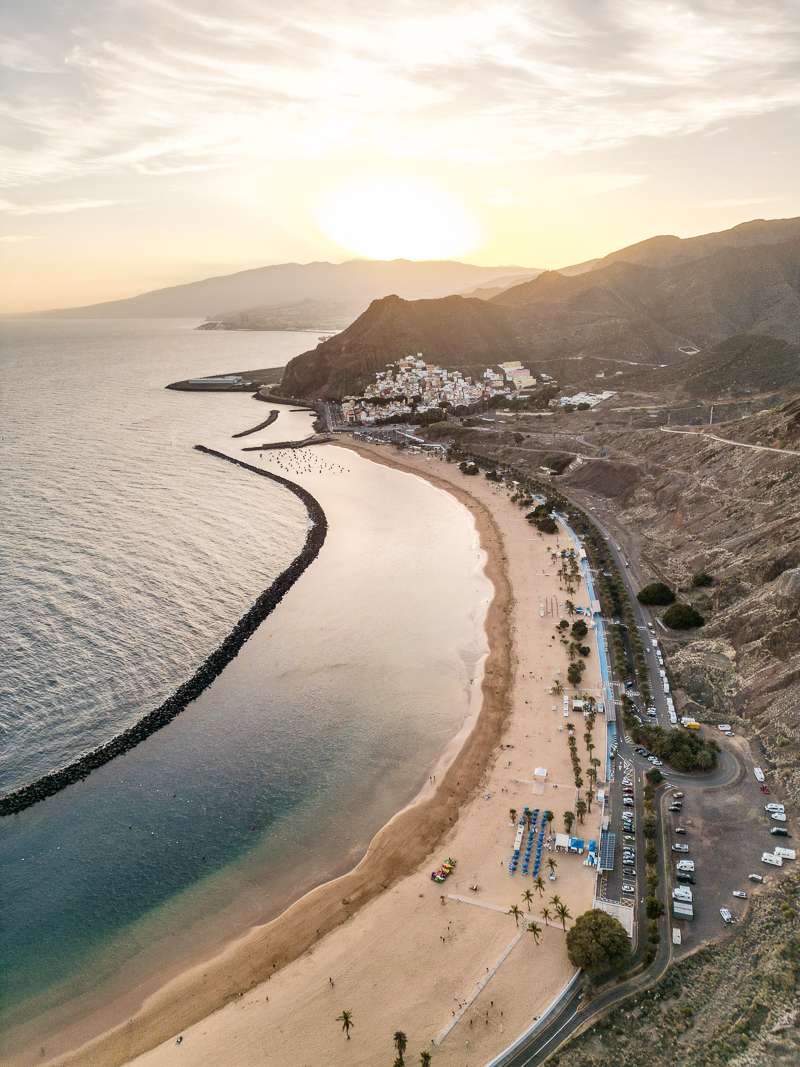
(52, 783)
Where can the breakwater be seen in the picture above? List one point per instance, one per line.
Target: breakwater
(261, 426)
(50, 784)
(315, 439)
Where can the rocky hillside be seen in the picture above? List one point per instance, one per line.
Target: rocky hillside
(695, 504)
(613, 319)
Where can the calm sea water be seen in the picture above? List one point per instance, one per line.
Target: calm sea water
(127, 557)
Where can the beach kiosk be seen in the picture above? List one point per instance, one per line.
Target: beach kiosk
(562, 842)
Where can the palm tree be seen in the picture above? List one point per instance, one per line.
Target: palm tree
(563, 913)
(513, 814)
(515, 911)
(546, 916)
(400, 1042)
(569, 819)
(424, 1058)
(704, 759)
(539, 883)
(580, 809)
(527, 896)
(555, 900)
(552, 864)
(346, 1019)
(548, 818)
(528, 818)
(569, 607)
(536, 930)
(557, 686)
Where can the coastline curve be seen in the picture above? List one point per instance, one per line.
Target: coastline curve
(50, 784)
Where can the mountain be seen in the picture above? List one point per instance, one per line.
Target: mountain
(613, 319)
(739, 366)
(315, 293)
(667, 251)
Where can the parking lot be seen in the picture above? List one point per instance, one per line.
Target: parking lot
(727, 829)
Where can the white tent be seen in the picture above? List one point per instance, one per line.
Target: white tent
(540, 772)
(562, 842)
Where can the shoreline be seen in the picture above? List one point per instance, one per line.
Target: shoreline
(212, 666)
(397, 848)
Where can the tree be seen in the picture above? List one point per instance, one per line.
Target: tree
(649, 829)
(539, 885)
(579, 628)
(563, 913)
(512, 814)
(400, 1042)
(657, 593)
(558, 686)
(424, 1058)
(536, 930)
(528, 818)
(569, 607)
(683, 617)
(597, 943)
(548, 818)
(580, 809)
(546, 915)
(574, 674)
(552, 864)
(651, 854)
(569, 819)
(515, 911)
(653, 908)
(346, 1019)
(654, 776)
(527, 896)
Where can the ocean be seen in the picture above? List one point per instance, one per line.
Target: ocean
(127, 557)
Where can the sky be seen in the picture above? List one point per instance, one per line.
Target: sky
(153, 142)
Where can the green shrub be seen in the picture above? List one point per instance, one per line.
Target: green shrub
(683, 617)
(701, 578)
(657, 593)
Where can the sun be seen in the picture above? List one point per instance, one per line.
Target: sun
(389, 217)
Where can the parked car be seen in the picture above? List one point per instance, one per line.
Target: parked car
(628, 802)
(629, 838)
(777, 816)
(740, 893)
(628, 888)
(726, 915)
(774, 807)
(656, 762)
(652, 713)
(675, 807)
(680, 848)
(680, 830)
(755, 878)
(629, 872)
(677, 796)
(685, 877)
(780, 831)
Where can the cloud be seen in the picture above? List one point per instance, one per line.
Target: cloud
(56, 207)
(169, 86)
(16, 238)
(740, 203)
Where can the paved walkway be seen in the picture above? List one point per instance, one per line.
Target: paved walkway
(482, 983)
(738, 444)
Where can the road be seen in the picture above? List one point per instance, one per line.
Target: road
(738, 444)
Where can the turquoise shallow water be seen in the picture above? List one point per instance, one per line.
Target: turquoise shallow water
(327, 722)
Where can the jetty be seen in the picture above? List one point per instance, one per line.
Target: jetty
(314, 439)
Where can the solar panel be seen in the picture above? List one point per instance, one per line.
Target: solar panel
(607, 842)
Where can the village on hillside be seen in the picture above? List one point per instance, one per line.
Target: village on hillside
(413, 387)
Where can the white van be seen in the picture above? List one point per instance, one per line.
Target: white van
(785, 853)
(682, 892)
(725, 727)
(772, 860)
(774, 807)
(759, 774)
(687, 866)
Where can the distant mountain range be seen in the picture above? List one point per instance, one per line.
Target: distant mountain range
(299, 295)
(634, 309)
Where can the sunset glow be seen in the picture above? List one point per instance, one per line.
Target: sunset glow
(384, 217)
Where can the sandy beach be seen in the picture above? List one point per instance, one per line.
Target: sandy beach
(447, 964)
